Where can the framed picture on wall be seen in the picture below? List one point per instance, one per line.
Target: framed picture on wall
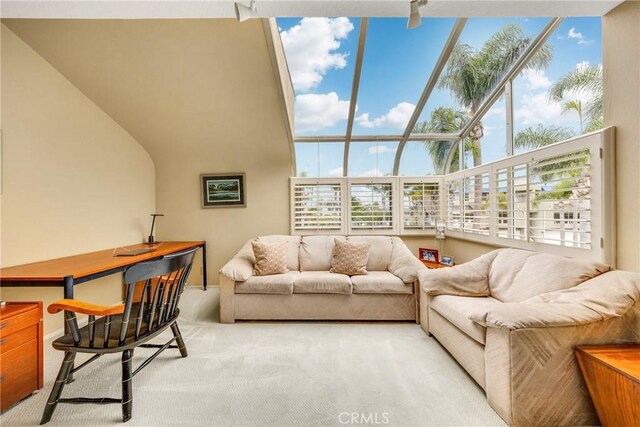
(223, 190)
(429, 255)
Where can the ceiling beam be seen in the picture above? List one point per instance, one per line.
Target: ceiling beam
(362, 41)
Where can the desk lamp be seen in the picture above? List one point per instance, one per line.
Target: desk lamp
(153, 223)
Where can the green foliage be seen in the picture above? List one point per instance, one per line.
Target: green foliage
(581, 80)
(540, 136)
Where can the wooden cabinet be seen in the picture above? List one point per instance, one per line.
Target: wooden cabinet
(21, 355)
(612, 374)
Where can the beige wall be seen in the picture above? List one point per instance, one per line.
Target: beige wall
(202, 96)
(74, 181)
(621, 58)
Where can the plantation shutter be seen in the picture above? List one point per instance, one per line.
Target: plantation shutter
(420, 205)
(372, 206)
(560, 200)
(317, 207)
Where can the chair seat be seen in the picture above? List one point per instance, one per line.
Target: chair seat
(321, 282)
(457, 310)
(65, 343)
(380, 282)
(281, 284)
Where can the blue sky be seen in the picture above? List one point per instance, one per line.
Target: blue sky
(397, 63)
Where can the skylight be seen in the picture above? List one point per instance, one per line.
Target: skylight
(398, 65)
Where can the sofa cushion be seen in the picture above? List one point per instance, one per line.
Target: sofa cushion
(293, 248)
(380, 282)
(350, 257)
(270, 258)
(380, 250)
(457, 310)
(321, 282)
(272, 284)
(517, 275)
(316, 252)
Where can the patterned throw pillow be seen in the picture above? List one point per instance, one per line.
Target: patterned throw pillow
(350, 258)
(270, 258)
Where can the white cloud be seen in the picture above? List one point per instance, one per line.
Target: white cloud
(535, 79)
(381, 149)
(583, 65)
(573, 34)
(336, 172)
(315, 111)
(312, 49)
(537, 108)
(495, 111)
(396, 117)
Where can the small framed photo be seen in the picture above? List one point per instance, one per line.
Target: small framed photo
(223, 190)
(429, 255)
(447, 260)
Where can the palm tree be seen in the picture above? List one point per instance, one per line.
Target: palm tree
(583, 80)
(471, 74)
(577, 107)
(442, 120)
(539, 136)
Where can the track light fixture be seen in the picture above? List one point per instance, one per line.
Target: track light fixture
(414, 13)
(245, 12)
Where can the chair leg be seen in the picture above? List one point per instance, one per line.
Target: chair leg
(127, 390)
(56, 392)
(179, 340)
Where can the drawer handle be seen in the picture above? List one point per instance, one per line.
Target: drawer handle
(3, 340)
(2, 325)
(4, 377)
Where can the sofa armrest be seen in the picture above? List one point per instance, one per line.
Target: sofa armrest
(607, 296)
(240, 267)
(403, 263)
(468, 279)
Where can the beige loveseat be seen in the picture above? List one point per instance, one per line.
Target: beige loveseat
(512, 318)
(310, 291)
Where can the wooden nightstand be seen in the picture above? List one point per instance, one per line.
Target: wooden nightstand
(20, 351)
(612, 374)
(432, 265)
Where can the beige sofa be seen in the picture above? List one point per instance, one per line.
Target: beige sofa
(310, 291)
(512, 318)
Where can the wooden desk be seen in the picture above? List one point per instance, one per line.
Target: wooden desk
(70, 271)
(612, 374)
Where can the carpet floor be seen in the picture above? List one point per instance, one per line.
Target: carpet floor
(275, 374)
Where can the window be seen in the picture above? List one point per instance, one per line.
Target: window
(371, 159)
(372, 206)
(421, 205)
(317, 207)
(476, 204)
(511, 201)
(319, 160)
(560, 200)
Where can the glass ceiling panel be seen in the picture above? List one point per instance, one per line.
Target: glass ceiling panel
(419, 158)
(396, 65)
(540, 120)
(319, 160)
(321, 55)
(372, 158)
(481, 42)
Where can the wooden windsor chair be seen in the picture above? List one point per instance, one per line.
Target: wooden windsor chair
(122, 328)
